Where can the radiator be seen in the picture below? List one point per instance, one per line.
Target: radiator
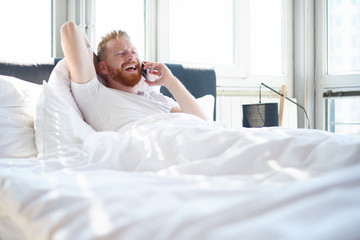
(229, 107)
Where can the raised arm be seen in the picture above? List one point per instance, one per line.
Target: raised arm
(75, 46)
(186, 101)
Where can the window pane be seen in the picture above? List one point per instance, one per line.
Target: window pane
(344, 115)
(201, 31)
(343, 36)
(25, 33)
(266, 37)
(121, 15)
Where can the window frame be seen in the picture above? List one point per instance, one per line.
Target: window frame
(323, 81)
(59, 15)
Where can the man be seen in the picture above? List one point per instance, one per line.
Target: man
(123, 101)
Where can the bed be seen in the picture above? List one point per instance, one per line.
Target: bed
(169, 176)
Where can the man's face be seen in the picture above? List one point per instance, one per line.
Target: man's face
(122, 62)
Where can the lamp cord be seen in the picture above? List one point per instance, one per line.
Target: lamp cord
(306, 115)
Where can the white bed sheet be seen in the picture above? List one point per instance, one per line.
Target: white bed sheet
(157, 179)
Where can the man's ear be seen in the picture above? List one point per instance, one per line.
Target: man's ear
(102, 68)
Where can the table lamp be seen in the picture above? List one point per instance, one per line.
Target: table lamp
(267, 114)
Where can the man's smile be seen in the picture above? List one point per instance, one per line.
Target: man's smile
(131, 68)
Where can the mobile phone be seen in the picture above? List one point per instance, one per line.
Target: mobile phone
(145, 72)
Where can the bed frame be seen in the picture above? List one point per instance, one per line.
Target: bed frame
(199, 81)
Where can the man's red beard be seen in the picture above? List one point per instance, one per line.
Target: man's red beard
(120, 75)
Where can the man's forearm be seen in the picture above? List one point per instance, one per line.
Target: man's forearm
(186, 101)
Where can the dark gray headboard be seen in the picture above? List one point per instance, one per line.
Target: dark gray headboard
(198, 80)
(34, 72)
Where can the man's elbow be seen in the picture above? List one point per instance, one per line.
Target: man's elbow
(68, 28)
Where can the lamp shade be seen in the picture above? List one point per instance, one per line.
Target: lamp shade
(260, 115)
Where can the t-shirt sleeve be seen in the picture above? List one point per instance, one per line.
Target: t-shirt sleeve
(83, 92)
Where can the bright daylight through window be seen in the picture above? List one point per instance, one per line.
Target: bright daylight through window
(343, 36)
(248, 34)
(205, 38)
(266, 37)
(28, 32)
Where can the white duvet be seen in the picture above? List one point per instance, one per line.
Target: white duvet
(174, 176)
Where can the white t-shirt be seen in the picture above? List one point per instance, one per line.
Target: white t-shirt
(107, 109)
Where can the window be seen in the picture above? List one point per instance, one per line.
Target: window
(25, 33)
(343, 115)
(338, 66)
(248, 41)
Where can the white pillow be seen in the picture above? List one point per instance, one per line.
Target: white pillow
(207, 105)
(60, 81)
(17, 106)
(58, 126)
